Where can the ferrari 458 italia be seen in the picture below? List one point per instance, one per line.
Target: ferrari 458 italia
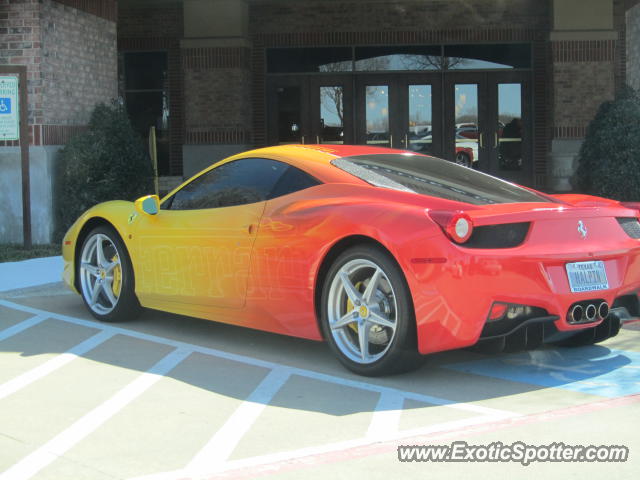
(386, 254)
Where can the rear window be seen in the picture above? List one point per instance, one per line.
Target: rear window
(435, 177)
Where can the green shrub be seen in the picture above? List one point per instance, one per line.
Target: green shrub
(108, 161)
(609, 159)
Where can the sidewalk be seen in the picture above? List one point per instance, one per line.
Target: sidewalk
(30, 273)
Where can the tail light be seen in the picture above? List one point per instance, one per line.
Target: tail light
(457, 225)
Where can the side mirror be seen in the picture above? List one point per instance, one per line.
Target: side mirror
(149, 205)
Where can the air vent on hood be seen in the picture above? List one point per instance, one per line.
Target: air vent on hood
(630, 225)
(506, 235)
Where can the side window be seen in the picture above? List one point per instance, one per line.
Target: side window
(240, 182)
(293, 180)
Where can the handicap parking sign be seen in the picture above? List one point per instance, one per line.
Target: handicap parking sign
(5, 106)
(9, 108)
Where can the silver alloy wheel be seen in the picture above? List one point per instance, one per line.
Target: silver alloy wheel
(100, 274)
(362, 311)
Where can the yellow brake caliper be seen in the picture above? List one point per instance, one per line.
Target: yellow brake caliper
(353, 325)
(116, 286)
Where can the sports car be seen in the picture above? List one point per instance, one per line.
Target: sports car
(387, 255)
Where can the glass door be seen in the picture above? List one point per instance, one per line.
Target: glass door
(420, 113)
(511, 156)
(487, 123)
(377, 111)
(288, 107)
(331, 109)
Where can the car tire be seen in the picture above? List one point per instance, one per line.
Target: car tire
(463, 159)
(106, 277)
(372, 331)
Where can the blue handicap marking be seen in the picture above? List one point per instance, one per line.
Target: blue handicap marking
(595, 369)
(5, 105)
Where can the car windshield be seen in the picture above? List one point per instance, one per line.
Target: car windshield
(434, 177)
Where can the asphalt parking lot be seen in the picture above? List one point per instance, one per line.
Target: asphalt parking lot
(169, 397)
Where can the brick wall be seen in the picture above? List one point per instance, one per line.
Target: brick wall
(70, 56)
(633, 47)
(79, 63)
(315, 16)
(217, 82)
(584, 77)
(20, 45)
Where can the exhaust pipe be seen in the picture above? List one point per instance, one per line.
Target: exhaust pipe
(603, 310)
(590, 312)
(576, 313)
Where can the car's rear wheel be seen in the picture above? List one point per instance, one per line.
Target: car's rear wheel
(106, 276)
(367, 313)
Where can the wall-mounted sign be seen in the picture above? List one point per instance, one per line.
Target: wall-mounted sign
(9, 109)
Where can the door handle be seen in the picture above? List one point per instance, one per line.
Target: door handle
(481, 135)
(406, 141)
(251, 229)
(495, 140)
(391, 140)
(303, 139)
(318, 139)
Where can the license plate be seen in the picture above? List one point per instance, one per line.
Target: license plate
(587, 276)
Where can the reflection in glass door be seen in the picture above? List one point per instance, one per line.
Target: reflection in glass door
(331, 111)
(377, 115)
(420, 132)
(509, 132)
(466, 124)
(331, 115)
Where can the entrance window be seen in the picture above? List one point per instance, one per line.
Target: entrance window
(146, 96)
(398, 58)
(302, 60)
(477, 57)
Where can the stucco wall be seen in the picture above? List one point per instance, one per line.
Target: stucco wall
(41, 162)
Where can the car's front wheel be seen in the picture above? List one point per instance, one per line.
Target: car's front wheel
(367, 313)
(106, 276)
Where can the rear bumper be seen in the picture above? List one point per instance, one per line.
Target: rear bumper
(452, 300)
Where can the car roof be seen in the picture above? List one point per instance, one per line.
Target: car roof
(316, 159)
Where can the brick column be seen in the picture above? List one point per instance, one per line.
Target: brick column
(216, 58)
(585, 63)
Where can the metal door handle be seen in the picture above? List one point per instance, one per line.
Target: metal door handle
(318, 139)
(481, 140)
(303, 139)
(495, 143)
(391, 140)
(406, 141)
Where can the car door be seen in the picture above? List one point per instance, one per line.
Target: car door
(197, 250)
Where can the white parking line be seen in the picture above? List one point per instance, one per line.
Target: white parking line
(52, 365)
(386, 417)
(225, 440)
(213, 457)
(22, 326)
(359, 384)
(61, 443)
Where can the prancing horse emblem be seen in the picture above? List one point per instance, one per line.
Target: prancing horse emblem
(582, 230)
